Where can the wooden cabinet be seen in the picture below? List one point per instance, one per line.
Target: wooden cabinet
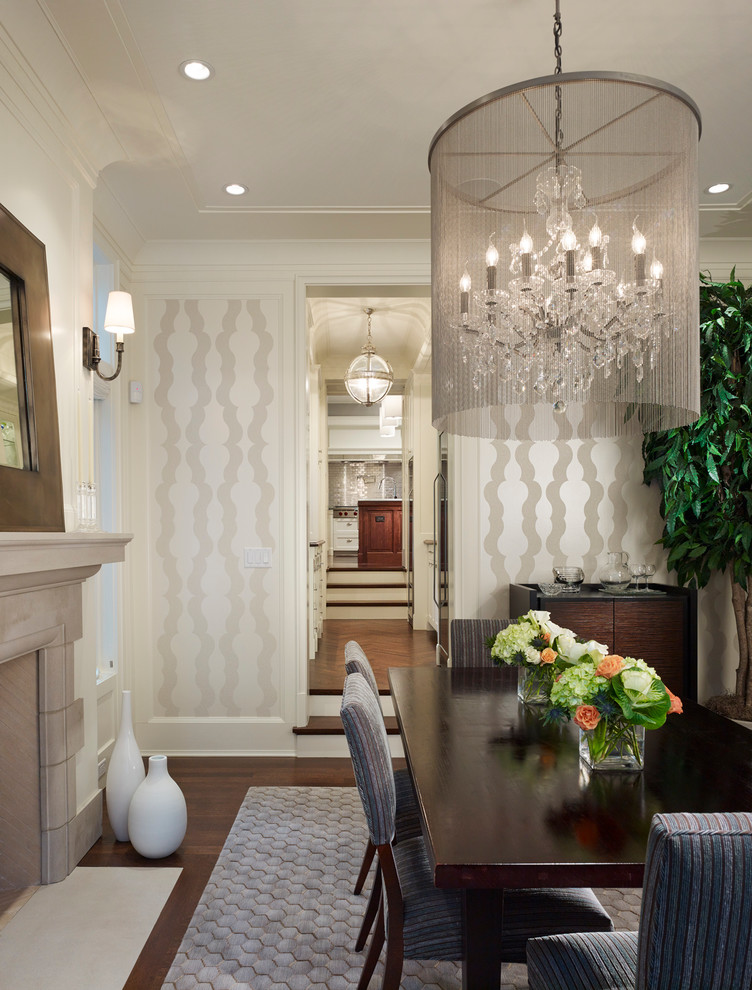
(658, 626)
(380, 534)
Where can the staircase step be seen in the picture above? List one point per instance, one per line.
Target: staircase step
(330, 704)
(366, 610)
(331, 725)
(322, 738)
(349, 576)
(366, 593)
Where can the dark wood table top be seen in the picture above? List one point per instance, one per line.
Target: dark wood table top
(505, 801)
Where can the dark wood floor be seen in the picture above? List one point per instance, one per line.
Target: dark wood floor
(214, 788)
(386, 642)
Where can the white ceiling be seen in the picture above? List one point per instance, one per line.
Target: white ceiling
(325, 110)
(400, 330)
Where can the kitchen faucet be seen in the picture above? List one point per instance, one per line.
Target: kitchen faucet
(382, 486)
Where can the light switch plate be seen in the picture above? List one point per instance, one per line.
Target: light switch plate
(257, 556)
(135, 392)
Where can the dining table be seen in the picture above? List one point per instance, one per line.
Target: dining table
(505, 801)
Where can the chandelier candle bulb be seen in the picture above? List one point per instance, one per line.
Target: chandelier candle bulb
(492, 260)
(526, 255)
(638, 246)
(465, 286)
(569, 245)
(595, 239)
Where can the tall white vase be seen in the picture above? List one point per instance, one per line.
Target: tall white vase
(125, 773)
(157, 818)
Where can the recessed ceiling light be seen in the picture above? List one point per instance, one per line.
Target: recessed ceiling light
(196, 70)
(235, 189)
(719, 187)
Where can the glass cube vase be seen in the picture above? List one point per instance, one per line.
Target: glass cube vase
(618, 747)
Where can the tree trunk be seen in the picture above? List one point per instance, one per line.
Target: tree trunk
(740, 602)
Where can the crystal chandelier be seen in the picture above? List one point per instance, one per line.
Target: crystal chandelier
(369, 377)
(587, 182)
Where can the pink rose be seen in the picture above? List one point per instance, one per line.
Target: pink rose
(676, 704)
(610, 665)
(587, 717)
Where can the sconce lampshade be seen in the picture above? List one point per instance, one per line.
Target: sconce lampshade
(119, 316)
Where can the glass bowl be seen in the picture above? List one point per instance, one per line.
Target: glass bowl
(550, 588)
(570, 578)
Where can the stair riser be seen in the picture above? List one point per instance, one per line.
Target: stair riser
(364, 577)
(331, 746)
(330, 704)
(363, 593)
(366, 612)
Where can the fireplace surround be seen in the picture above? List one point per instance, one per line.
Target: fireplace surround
(41, 578)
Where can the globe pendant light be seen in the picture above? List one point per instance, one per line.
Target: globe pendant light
(565, 298)
(369, 377)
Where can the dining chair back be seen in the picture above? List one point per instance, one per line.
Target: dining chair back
(427, 924)
(357, 661)
(695, 920)
(468, 641)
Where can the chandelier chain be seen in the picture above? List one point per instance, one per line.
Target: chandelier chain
(559, 134)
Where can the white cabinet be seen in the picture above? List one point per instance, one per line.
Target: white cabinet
(433, 608)
(345, 533)
(316, 595)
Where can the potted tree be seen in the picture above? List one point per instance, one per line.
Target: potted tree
(705, 472)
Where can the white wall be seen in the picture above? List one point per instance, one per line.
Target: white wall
(44, 185)
(215, 462)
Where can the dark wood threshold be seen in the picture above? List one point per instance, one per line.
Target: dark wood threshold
(363, 586)
(372, 568)
(331, 725)
(334, 693)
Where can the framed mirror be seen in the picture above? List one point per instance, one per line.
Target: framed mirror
(31, 496)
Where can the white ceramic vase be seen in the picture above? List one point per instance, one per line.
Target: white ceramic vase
(124, 774)
(157, 818)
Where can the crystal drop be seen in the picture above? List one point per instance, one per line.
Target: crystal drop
(560, 407)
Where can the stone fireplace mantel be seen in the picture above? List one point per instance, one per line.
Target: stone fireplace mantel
(41, 575)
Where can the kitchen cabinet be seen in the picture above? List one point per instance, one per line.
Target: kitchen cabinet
(658, 626)
(380, 533)
(345, 533)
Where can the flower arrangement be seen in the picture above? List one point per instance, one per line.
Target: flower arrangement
(541, 649)
(612, 700)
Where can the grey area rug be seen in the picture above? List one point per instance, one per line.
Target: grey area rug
(279, 910)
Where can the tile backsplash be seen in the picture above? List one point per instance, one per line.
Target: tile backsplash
(350, 481)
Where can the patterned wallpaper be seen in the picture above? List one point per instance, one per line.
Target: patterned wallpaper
(576, 500)
(215, 477)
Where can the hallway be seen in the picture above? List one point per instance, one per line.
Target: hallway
(386, 642)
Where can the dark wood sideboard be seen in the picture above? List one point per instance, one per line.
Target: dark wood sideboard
(380, 533)
(659, 626)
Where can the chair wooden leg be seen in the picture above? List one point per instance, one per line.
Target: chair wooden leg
(371, 909)
(365, 867)
(374, 950)
(395, 944)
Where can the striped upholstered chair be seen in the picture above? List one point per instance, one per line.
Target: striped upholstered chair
(695, 929)
(424, 920)
(468, 641)
(407, 819)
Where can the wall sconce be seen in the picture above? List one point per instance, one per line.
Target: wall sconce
(118, 320)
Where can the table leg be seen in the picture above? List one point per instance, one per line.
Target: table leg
(482, 917)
